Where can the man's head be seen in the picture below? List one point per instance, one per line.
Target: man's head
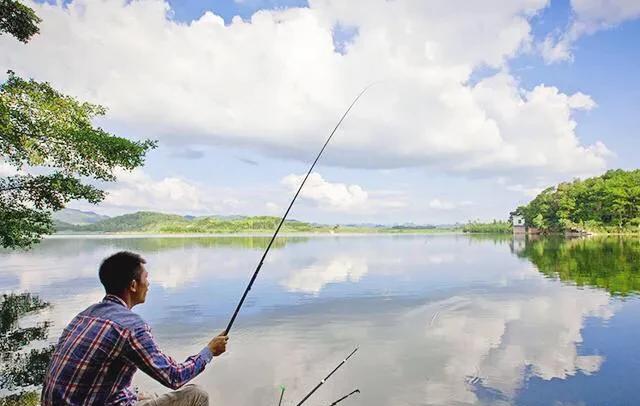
(123, 274)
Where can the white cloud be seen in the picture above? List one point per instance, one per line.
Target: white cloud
(605, 12)
(527, 191)
(137, 190)
(439, 204)
(589, 17)
(273, 208)
(333, 196)
(275, 83)
(342, 197)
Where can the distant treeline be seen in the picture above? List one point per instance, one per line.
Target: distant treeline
(495, 227)
(150, 222)
(608, 203)
(160, 223)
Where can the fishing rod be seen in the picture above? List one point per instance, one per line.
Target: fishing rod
(327, 377)
(281, 394)
(255, 273)
(344, 397)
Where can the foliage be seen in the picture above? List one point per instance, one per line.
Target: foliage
(18, 20)
(21, 399)
(21, 369)
(41, 127)
(495, 227)
(608, 203)
(610, 263)
(150, 222)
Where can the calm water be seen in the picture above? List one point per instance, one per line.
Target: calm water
(440, 320)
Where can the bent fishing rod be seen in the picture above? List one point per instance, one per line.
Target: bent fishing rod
(275, 234)
(344, 397)
(327, 377)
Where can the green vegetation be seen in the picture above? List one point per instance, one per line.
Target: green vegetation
(21, 369)
(610, 263)
(495, 227)
(159, 223)
(43, 128)
(18, 20)
(607, 204)
(77, 217)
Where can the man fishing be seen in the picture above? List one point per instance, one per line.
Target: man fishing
(103, 346)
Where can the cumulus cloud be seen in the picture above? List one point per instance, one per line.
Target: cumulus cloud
(342, 197)
(337, 196)
(588, 17)
(138, 190)
(277, 84)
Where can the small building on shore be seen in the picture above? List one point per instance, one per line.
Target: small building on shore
(518, 223)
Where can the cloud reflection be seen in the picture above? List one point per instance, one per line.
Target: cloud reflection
(495, 341)
(313, 278)
(440, 352)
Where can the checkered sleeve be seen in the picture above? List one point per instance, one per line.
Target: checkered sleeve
(146, 355)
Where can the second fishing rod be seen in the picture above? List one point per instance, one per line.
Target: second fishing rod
(275, 234)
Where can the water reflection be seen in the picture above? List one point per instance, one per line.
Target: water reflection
(333, 270)
(610, 263)
(440, 319)
(439, 352)
(21, 367)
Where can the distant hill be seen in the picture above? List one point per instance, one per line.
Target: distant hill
(151, 222)
(161, 223)
(77, 217)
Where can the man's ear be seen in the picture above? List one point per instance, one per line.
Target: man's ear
(133, 286)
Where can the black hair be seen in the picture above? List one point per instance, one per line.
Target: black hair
(117, 271)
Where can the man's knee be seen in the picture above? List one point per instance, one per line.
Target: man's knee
(196, 395)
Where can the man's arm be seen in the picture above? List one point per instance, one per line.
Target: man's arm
(146, 355)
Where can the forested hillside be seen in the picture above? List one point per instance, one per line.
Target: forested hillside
(608, 203)
(151, 222)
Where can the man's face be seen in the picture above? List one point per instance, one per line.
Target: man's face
(142, 286)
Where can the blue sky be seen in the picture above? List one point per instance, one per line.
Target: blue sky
(448, 149)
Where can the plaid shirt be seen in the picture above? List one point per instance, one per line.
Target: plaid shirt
(101, 349)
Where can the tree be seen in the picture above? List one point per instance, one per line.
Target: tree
(18, 20)
(44, 129)
(610, 203)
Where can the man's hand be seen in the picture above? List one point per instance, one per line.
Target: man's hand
(219, 344)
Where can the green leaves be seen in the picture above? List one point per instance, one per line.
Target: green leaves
(21, 227)
(43, 128)
(18, 20)
(607, 203)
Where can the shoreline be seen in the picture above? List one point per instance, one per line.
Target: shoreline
(123, 235)
(255, 234)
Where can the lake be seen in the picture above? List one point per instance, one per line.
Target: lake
(439, 319)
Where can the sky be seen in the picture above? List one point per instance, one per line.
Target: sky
(475, 107)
